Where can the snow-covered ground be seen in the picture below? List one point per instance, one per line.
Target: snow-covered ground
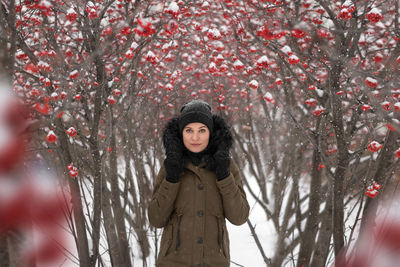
(244, 250)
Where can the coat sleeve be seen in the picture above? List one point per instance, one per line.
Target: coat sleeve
(162, 200)
(236, 207)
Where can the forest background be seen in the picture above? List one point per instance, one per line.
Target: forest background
(311, 89)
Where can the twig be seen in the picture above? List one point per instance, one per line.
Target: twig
(260, 248)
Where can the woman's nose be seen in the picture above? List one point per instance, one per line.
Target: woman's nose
(196, 136)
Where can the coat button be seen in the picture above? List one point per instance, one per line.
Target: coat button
(200, 240)
(200, 213)
(200, 187)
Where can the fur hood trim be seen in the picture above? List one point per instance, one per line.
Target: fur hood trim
(220, 136)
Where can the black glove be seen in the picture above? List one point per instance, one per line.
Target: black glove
(222, 162)
(220, 144)
(174, 167)
(173, 145)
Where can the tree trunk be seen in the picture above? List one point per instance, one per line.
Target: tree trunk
(280, 254)
(325, 233)
(138, 194)
(4, 78)
(311, 228)
(109, 225)
(8, 245)
(4, 255)
(94, 149)
(7, 18)
(116, 202)
(342, 160)
(13, 241)
(79, 218)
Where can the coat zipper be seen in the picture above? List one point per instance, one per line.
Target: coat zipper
(178, 235)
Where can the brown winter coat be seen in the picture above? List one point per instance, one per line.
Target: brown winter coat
(192, 213)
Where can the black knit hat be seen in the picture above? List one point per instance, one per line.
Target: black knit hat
(196, 111)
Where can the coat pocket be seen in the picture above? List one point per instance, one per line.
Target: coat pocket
(223, 240)
(178, 232)
(166, 240)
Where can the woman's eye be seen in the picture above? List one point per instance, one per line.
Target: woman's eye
(188, 130)
(202, 131)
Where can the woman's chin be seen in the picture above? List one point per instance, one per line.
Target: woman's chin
(196, 149)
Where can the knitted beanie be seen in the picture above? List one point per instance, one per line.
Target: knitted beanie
(196, 111)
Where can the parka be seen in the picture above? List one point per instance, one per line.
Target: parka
(192, 212)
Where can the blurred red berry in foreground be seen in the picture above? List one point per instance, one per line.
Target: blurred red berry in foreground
(379, 241)
(32, 202)
(12, 128)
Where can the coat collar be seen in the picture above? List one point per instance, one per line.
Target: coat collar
(190, 166)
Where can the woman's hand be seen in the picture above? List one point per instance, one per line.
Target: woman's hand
(173, 144)
(222, 161)
(220, 144)
(173, 165)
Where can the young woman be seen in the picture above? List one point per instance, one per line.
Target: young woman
(197, 187)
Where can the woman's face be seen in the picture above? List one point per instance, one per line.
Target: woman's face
(196, 136)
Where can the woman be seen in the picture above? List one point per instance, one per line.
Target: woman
(197, 187)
